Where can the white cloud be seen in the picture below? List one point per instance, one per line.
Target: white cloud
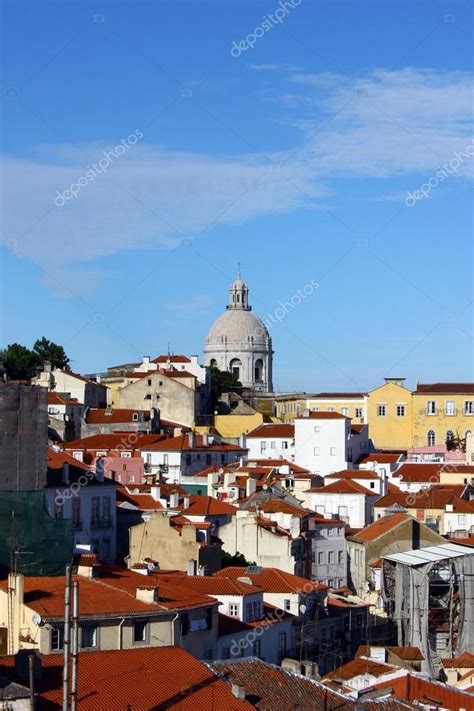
(196, 304)
(380, 125)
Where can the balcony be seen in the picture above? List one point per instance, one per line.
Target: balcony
(103, 522)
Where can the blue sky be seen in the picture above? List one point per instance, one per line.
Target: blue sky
(295, 157)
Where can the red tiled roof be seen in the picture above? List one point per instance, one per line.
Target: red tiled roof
(272, 580)
(78, 377)
(181, 443)
(419, 472)
(353, 474)
(379, 457)
(381, 526)
(323, 416)
(423, 499)
(273, 430)
(412, 687)
(281, 506)
(111, 594)
(410, 654)
(342, 486)
(56, 460)
(360, 666)
(445, 388)
(212, 585)
(55, 399)
(172, 359)
(207, 506)
(463, 506)
(357, 428)
(128, 440)
(127, 679)
(342, 396)
(376, 563)
(143, 501)
(101, 416)
(277, 463)
(463, 661)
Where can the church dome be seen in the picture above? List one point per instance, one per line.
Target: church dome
(237, 327)
(239, 342)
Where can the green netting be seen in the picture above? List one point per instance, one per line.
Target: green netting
(31, 541)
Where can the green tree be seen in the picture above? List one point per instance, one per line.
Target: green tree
(223, 382)
(52, 352)
(20, 363)
(237, 560)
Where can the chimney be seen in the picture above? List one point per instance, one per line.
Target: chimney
(22, 666)
(109, 410)
(242, 441)
(191, 567)
(150, 595)
(229, 478)
(146, 361)
(212, 478)
(66, 474)
(16, 585)
(242, 462)
(238, 692)
(306, 413)
(250, 486)
(205, 439)
(87, 566)
(191, 439)
(174, 500)
(47, 366)
(186, 502)
(449, 508)
(155, 492)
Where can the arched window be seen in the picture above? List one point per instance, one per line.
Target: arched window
(431, 438)
(235, 367)
(213, 363)
(449, 436)
(468, 432)
(258, 370)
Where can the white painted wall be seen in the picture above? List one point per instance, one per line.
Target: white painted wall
(271, 448)
(321, 444)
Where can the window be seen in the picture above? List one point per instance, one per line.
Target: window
(332, 451)
(233, 609)
(140, 631)
(57, 638)
(148, 382)
(317, 429)
(372, 484)
(272, 444)
(76, 512)
(316, 451)
(88, 636)
(331, 557)
(381, 410)
(462, 520)
(106, 509)
(431, 407)
(263, 446)
(360, 619)
(284, 445)
(226, 653)
(331, 409)
(331, 585)
(449, 407)
(95, 511)
(78, 456)
(400, 410)
(320, 558)
(148, 396)
(257, 648)
(431, 438)
(135, 417)
(235, 366)
(449, 436)
(345, 411)
(469, 407)
(287, 605)
(126, 455)
(340, 557)
(281, 644)
(208, 459)
(188, 460)
(359, 412)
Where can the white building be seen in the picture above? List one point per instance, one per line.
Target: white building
(188, 454)
(344, 499)
(326, 442)
(272, 441)
(76, 387)
(368, 479)
(239, 342)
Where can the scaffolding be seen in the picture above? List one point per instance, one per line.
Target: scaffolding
(31, 541)
(428, 592)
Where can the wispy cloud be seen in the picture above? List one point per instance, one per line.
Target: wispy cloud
(196, 304)
(381, 125)
(276, 67)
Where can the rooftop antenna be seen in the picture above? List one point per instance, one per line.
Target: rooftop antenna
(238, 270)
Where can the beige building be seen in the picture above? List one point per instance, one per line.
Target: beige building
(117, 609)
(175, 542)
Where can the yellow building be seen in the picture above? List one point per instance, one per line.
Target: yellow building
(290, 406)
(353, 405)
(390, 415)
(442, 411)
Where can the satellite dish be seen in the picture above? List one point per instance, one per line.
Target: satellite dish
(36, 619)
(221, 471)
(303, 609)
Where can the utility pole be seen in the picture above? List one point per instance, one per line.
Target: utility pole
(75, 643)
(66, 637)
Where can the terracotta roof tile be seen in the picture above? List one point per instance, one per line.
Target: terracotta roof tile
(181, 443)
(445, 388)
(360, 666)
(127, 679)
(101, 416)
(342, 486)
(381, 526)
(415, 688)
(379, 457)
(128, 440)
(272, 580)
(273, 430)
(323, 416)
(172, 359)
(207, 506)
(354, 474)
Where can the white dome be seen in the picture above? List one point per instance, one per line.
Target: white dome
(238, 328)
